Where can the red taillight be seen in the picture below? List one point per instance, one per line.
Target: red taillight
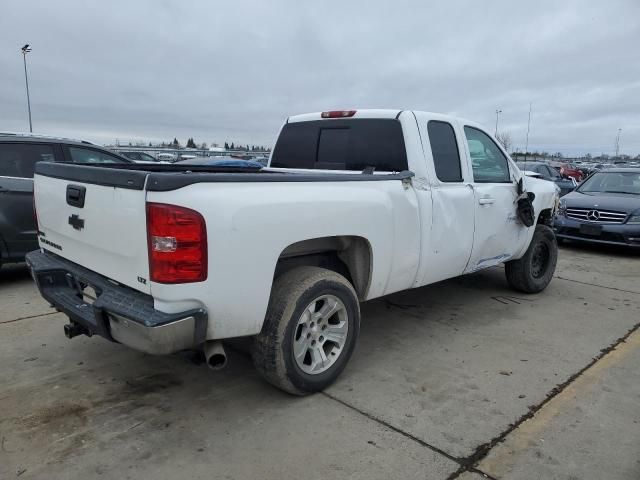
(177, 239)
(338, 114)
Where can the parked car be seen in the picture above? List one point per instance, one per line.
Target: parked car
(601, 166)
(140, 157)
(355, 205)
(18, 155)
(570, 171)
(605, 208)
(549, 173)
(167, 157)
(585, 168)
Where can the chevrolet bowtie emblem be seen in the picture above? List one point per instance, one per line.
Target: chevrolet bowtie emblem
(76, 222)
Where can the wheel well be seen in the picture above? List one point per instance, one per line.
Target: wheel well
(349, 256)
(545, 217)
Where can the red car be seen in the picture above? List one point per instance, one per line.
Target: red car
(566, 170)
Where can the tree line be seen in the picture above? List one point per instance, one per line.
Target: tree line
(505, 140)
(191, 143)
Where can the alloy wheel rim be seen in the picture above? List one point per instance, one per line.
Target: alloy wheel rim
(320, 334)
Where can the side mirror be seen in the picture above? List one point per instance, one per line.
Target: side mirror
(520, 187)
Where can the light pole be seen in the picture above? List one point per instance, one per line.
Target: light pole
(26, 50)
(498, 112)
(526, 148)
(618, 142)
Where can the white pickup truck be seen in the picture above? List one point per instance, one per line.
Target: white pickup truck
(353, 205)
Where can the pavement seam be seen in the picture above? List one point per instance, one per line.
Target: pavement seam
(596, 285)
(27, 318)
(393, 428)
(470, 463)
(422, 443)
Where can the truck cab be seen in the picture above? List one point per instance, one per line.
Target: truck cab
(465, 183)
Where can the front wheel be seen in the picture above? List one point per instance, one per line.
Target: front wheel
(533, 272)
(309, 332)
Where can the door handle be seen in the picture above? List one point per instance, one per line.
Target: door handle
(486, 201)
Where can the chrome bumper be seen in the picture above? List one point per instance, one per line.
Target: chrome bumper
(159, 340)
(118, 313)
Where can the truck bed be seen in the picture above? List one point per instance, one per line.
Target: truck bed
(252, 217)
(167, 177)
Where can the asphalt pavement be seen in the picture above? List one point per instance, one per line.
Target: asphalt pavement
(463, 379)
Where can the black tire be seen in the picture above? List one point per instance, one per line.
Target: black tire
(273, 349)
(533, 272)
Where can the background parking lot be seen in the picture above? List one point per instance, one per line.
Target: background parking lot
(456, 380)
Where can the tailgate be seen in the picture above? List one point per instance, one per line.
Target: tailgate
(95, 217)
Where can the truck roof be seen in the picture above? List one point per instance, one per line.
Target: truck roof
(366, 113)
(363, 113)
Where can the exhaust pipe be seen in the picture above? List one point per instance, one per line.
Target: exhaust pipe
(215, 355)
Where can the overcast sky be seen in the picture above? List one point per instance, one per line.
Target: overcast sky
(234, 70)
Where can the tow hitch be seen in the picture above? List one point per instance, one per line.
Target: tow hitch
(74, 329)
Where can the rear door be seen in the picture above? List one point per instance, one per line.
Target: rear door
(447, 247)
(95, 217)
(17, 222)
(498, 233)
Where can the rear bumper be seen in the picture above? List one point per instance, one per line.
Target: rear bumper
(118, 313)
(611, 234)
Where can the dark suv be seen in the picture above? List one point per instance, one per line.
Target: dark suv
(547, 172)
(18, 156)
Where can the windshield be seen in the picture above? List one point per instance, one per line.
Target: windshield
(612, 182)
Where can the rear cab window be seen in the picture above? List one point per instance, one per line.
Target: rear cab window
(19, 159)
(342, 144)
(444, 148)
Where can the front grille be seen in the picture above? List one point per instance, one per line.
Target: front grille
(606, 236)
(594, 215)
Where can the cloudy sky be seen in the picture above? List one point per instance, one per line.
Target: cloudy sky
(234, 70)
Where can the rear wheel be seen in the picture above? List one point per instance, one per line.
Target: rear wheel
(310, 330)
(533, 272)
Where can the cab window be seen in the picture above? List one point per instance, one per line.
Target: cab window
(89, 155)
(444, 149)
(19, 159)
(342, 144)
(489, 163)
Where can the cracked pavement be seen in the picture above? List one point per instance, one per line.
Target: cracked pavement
(463, 379)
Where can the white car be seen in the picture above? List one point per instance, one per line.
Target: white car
(354, 205)
(167, 157)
